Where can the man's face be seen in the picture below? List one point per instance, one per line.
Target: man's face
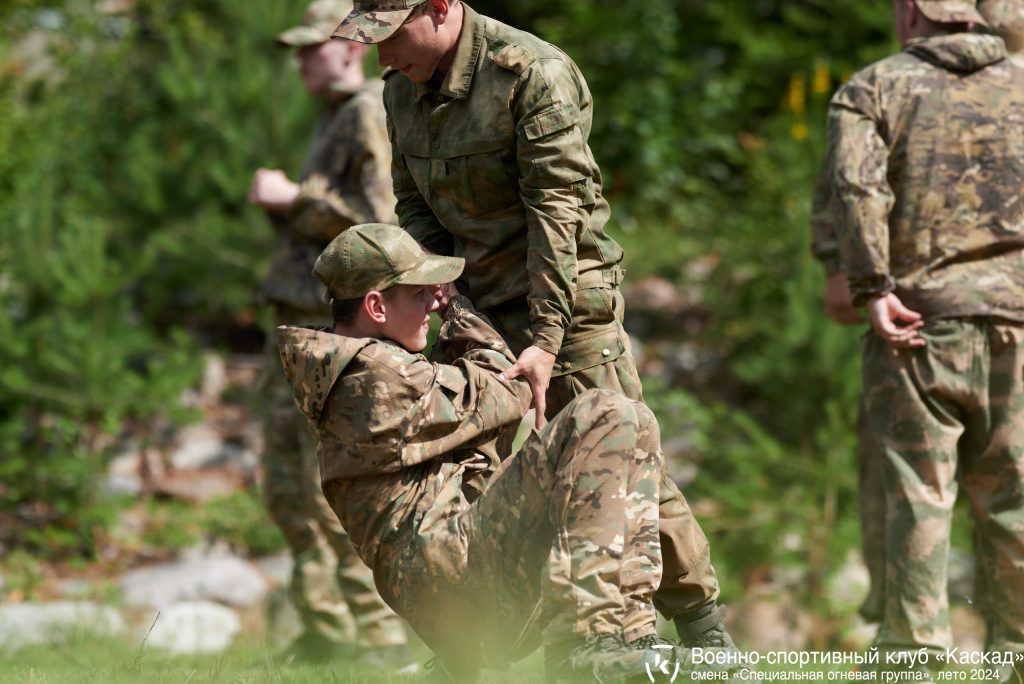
(322, 65)
(407, 309)
(415, 48)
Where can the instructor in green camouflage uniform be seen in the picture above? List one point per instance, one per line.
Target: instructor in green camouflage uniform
(927, 166)
(489, 129)
(559, 543)
(345, 180)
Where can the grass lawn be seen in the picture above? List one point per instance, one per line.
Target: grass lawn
(109, 661)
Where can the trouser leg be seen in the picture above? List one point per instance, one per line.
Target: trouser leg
(993, 477)
(871, 507)
(911, 403)
(587, 488)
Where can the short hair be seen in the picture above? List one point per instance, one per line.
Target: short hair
(344, 311)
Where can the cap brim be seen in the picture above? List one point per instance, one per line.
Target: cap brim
(436, 270)
(952, 12)
(301, 36)
(371, 26)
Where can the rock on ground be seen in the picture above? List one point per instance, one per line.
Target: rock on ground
(26, 624)
(226, 580)
(193, 627)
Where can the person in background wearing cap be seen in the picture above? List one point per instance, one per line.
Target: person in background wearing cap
(926, 166)
(345, 180)
(484, 559)
(489, 129)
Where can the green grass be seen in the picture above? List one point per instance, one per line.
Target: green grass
(88, 660)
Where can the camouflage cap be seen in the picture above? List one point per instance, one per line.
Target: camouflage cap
(375, 256)
(375, 20)
(1003, 16)
(951, 11)
(317, 23)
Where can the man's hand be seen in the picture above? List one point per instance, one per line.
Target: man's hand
(535, 365)
(885, 312)
(272, 191)
(444, 293)
(838, 304)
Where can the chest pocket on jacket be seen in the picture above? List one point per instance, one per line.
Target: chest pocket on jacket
(482, 175)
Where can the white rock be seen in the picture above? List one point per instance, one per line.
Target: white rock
(846, 588)
(227, 580)
(200, 446)
(26, 624)
(193, 627)
(215, 378)
(124, 475)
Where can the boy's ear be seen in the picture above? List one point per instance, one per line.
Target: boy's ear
(373, 306)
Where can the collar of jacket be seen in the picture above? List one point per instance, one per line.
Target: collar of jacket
(459, 77)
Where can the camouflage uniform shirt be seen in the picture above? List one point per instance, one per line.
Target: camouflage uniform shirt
(926, 166)
(344, 182)
(406, 436)
(493, 165)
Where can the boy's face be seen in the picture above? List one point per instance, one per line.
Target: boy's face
(414, 49)
(407, 309)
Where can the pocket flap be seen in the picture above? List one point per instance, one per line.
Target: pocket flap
(580, 355)
(451, 379)
(550, 121)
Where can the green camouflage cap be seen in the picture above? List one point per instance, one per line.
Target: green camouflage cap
(951, 11)
(317, 24)
(375, 20)
(375, 256)
(1003, 16)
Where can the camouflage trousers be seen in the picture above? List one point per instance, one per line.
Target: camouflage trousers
(871, 507)
(950, 415)
(562, 544)
(331, 587)
(598, 355)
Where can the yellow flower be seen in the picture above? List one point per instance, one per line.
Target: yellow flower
(821, 84)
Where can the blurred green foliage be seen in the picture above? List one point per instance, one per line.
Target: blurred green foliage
(125, 237)
(127, 142)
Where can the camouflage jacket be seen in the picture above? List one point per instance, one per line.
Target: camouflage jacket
(824, 243)
(494, 166)
(405, 437)
(344, 182)
(926, 154)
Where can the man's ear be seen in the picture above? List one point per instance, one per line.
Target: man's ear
(373, 307)
(439, 8)
(913, 13)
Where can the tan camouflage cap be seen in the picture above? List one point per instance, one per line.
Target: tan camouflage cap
(317, 24)
(375, 256)
(1003, 16)
(951, 11)
(375, 20)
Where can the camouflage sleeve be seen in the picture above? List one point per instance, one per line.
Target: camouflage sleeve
(465, 330)
(414, 214)
(555, 180)
(862, 199)
(824, 244)
(357, 189)
(465, 405)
